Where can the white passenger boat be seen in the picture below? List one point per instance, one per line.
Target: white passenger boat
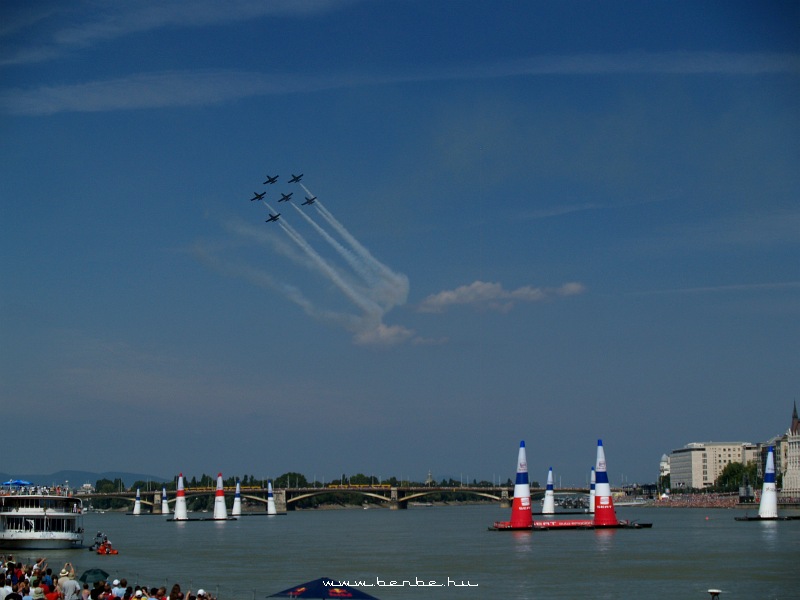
(37, 518)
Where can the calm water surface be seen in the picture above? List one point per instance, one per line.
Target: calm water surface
(687, 552)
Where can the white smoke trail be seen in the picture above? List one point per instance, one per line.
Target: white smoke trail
(366, 304)
(349, 257)
(364, 281)
(394, 290)
(260, 278)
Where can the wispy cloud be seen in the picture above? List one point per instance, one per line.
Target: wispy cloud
(200, 88)
(114, 20)
(738, 287)
(368, 284)
(492, 296)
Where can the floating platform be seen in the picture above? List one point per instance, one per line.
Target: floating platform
(549, 525)
(204, 519)
(262, 514)
(506, 526)
(792, 518)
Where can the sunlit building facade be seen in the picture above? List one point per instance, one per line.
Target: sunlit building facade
(791, 473)
(698, 464)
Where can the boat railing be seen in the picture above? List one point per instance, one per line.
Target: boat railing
(38, 491)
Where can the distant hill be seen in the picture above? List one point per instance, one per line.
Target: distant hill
(78, 478)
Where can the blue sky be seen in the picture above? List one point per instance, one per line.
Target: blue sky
(554, 222)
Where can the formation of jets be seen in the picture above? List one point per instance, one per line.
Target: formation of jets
(284, 197)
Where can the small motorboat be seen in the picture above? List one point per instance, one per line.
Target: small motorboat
(106, 548)
(99, 539)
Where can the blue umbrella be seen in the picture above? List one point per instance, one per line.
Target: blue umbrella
(323, 588)
(17, 482)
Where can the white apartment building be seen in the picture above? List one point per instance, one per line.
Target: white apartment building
(699, 464)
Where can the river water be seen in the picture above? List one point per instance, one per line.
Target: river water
(687, 552)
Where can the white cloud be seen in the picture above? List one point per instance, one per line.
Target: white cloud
(383, 335)
(201, 88)
(113, 20)
(492, 296)
(735, 287)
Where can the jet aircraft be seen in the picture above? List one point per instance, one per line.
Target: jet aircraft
(257, 196)
(271, 179)
(286, 197)
(296, 178)
(310, 201)
(272, 217)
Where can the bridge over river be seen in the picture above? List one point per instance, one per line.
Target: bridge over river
(393, 497)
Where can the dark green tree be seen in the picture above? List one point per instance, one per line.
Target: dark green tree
(106, 486)
(733, 474)
(290, 480)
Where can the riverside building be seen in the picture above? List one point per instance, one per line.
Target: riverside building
(698, 464)
(791, 456)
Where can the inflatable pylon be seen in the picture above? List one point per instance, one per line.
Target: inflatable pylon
(271, 510)
(604, 514)
(137, 505)
(237, 501)
(521, 517)
(549, 504)
(164, 503)
(180, 502)
(768, 509)
(220, 510)
(591, 492)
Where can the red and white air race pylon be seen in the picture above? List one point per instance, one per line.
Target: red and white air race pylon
(180, 502)
(604, 514)
(549, 504)
(164, 503)
(768, 509)
(521, 517)
(592, 493)
(271, 510)
(137, 505)
(220, 510)
(237, 501)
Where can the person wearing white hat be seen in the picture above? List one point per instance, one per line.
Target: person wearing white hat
(70, 589)
(67, 575)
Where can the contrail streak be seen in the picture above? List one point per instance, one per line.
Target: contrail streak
(329, 271)
(399, 283)
(351, 259)
(367, 283)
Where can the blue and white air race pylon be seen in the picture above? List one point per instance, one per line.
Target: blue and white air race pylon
(137, 505)
(220, 510)
(270, 499)
(521, 517)
(549, 504)
(164, 503)
(768, 509)
(591, 492)
(237, 501)
(604, 514)
(180, 502)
